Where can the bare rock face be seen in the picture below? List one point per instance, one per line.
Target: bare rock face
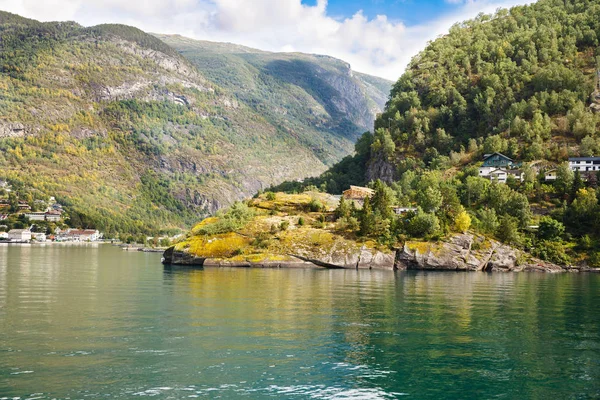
(382, 169)
(466, 252)
(9, 130)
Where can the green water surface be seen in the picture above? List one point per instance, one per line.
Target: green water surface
(96, 322)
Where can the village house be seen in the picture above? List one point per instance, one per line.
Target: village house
(584, 164)
(38, 236)
(82, 235)
(23, 206)
(36, 216)
(357, 194)
(493, 162)
(19, 235)
(3, 235)
(53, 215)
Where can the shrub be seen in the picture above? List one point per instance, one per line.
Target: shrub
(270, 196)
(284, 225)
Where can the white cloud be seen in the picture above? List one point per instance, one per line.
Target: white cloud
(378, 46)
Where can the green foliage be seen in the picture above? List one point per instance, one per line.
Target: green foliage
(236, 217)
(423, 225)
(550, 229)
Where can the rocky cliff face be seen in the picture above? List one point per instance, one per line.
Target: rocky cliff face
(469, 253)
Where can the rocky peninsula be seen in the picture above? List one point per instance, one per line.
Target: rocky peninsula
(290, 231)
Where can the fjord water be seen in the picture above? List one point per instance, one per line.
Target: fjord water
(98, 322)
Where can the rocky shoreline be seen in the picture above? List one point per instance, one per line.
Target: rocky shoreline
(462, 252)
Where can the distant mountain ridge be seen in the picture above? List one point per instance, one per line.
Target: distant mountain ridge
(131, 136)
(329, 84)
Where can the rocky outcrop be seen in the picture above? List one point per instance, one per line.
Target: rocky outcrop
(10, 130)
(467, 252)
(362, 258)
(173, 257)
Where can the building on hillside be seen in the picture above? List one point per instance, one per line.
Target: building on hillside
(358, 194)
(501, 175)
(23, 206)
(3, 235)
(19, 235)
(584, 164)
(494, 161)
(404, 210)
(36, 216)
(83, 235)
(53, 215)
(550, 175)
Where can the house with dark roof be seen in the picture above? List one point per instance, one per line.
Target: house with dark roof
(494, 161)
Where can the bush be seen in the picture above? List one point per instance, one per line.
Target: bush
(552, 251)
(270, 196)
(423, 224)
(315, 206)
(550, 229)
(301, 221)
(284, 225)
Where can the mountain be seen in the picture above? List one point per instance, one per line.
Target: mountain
(290, 88)
(522, 82)
(131, 136)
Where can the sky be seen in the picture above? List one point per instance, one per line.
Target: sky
(378, 37)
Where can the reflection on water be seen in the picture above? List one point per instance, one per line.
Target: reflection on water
(97, 322)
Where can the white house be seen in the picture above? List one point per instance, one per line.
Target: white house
(584, 164)
(501, 175)
(19, 235)
(3, 235)
(83, 235)
(38, 237)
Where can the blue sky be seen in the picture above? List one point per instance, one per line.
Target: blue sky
(410, 12)
(378, 37)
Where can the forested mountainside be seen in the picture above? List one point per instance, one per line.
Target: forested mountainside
(522, 82)
(131, 137)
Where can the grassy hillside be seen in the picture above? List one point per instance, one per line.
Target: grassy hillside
(522, 82)
(131, 137)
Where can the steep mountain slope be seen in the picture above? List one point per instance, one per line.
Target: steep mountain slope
(307, 91)
(130, 136)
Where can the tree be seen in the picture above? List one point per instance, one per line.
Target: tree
(367, 218)
(343, 209)
(508, 230)
(488, 220)
(550, 229)
(430, 199)
(383, 143)
(383, 199)
(423, 224)
(576, 185)
(462, 222)
(564, 178)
